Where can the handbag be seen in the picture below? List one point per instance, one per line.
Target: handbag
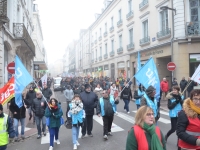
(61, 121)
(68, 124)
(47, 121)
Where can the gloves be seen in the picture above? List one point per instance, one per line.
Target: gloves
(198, 142)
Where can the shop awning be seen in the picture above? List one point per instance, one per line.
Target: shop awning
(40, 65)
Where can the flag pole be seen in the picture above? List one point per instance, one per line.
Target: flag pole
(125, 86)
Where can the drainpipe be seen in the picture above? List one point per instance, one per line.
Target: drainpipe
(172, 41)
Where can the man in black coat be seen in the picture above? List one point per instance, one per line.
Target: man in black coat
(46, 92)
(183, 84)
(190, 86)
(90, 101)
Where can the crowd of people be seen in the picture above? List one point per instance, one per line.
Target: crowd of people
(86, 97)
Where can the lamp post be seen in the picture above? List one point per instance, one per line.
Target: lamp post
(172, 39)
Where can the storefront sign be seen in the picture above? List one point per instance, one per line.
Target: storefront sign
(121, 65)
(149, 53)
(106, 67)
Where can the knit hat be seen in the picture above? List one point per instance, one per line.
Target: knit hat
(87, 86)
(150, 89)
(1, 107)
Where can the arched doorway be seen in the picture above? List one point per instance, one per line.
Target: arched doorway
(112, 69)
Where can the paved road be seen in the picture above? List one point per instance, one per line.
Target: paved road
(120, 128)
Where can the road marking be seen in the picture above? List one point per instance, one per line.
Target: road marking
(163, 120)
(126, 117)
(45, 139)
(114, 128)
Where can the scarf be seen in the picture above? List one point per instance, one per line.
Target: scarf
(194, 107)
(77, 106)
(155, 142)
(53, 108)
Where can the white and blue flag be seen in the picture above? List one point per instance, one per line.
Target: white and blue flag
(22, 79)
(148, 75)
(138, 66)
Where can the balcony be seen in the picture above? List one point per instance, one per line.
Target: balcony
(145, 41)
(3, 12)
(193, 29)
(105, 56)
(119, 23)
(129, 15)
(130, 46)
(144, 4)
(100, 58)
(105, 34)
(100, 38)
(111, 29)
(20, 33)
(112, 53)
(120, 50)
(95, 41)
(164, 34)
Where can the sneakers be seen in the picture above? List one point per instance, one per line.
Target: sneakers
(128, 112)
(83, 136)
(105, 137)
(50, 148)
(91, 135)
(77, 143)
(39, 136)
(109, 133)
(44, 133)
(57, 141)
(16, 139)
(75, 146)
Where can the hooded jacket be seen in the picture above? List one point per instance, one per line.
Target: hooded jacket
(148, 91)
(30, 96)
(37, 108)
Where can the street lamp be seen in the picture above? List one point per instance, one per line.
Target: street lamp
(172, 39)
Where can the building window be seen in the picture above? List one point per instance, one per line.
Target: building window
(164, 19)
(96, 35)
(120, 41)
(195, 10)
(106, 49)
(100, 51)
(130, 5)
(112, 22)
(100, 32)
(105, 27)
(145, 28)
(112, 45)
(194, 63)
(131, 36)
(120, 14)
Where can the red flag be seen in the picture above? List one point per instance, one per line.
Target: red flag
(7, 92)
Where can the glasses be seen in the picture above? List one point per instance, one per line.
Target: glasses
(150, 114)
(196, 99)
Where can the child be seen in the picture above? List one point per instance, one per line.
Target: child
(77, 114)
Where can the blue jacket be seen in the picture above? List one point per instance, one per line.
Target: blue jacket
(152, 104)
(137, 95)
(174, 112)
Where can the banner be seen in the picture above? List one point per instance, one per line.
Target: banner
(148, 75)
(22, 79)
(7, 92)
(138, 66)
(196, 76)
(44, 80)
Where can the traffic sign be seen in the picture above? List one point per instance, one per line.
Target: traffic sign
(171, 66)
(11, 67)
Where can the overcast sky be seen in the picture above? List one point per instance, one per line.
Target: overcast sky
(62, 20)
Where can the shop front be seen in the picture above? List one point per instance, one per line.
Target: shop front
(106, 71)
(100, 69)
(121, 70)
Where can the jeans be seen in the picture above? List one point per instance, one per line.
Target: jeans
(173, 126)
(53, 132)
(107, 124)
(126, 104)
(138, 106)
(38, 123)
(16, 124)
(75, 133)
(31, 113)
(87, 125)
(4, 147)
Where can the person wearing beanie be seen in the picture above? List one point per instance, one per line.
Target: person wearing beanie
(90, 101)
(30, 96)
(9, 132)
(150, 100)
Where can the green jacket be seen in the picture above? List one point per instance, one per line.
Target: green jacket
(131, 142)
(54, 120)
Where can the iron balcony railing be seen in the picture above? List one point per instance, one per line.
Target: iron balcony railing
(143, 3)
(105, 34)
(119, 23)
(100, 38)
(130, 46)
(193, 28)
(111, 29)
(3, 11)
(129, 15)
(112, 53)
(21, 33)
(100, 58)
(164, 33)
(120, 50)
(145, 40)
(105, 56)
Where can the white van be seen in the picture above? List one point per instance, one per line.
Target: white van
(56, 84)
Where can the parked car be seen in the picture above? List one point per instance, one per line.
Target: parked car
(56, 84)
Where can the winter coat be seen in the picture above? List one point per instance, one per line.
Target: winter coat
(191, 86)
(98, 92)
(89, 100)
(126, 93)
(183, 84)
(37, 108)
(30, 96)
(183, 123)
(69, 94)
(54, 120)
(164, 86)
(47, 93)
(77, 91)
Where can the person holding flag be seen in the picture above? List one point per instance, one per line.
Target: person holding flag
(138, 94)
(47, 93)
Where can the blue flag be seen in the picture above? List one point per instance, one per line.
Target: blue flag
(148, 75)
(22, 79)
(138, 66)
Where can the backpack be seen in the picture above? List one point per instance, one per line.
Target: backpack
(126, 93)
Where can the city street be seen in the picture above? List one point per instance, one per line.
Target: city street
(121, 125)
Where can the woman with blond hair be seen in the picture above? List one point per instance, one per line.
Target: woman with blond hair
(144, 135)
